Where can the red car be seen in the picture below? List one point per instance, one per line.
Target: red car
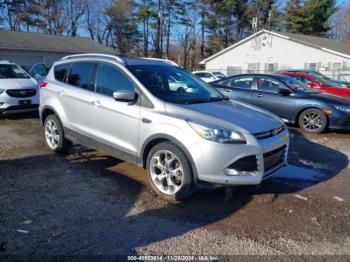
(318, 84)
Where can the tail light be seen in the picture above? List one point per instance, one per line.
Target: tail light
(43, 84)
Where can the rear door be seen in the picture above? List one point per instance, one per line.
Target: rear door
(267, 96)
(239, 88)
(76, 95)
(112, 122)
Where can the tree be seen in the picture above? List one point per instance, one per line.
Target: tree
(341, 24)
(124, 27)
(310, 18)
(144, 13)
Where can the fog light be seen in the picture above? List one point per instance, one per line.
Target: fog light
(1, 103)
(233, 172)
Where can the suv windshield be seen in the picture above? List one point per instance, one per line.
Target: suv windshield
(296, 85)
(12, 71)
(158, 80)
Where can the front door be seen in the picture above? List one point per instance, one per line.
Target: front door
(267, 96)
(114, 123)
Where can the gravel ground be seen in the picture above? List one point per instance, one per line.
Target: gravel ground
(88, 203)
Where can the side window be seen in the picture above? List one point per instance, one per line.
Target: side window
(242, 83)
(303, 80)
(268, 85)
(80, 75)
(60, 72)
(109, 79)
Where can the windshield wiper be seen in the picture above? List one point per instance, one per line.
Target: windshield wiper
(207, 100)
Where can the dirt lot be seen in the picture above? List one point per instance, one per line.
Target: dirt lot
(90, 204)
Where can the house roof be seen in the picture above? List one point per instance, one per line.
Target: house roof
(12, 40)
(328, 45)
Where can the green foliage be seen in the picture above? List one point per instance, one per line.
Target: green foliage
(309, 17)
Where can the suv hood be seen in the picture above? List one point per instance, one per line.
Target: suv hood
(229, 114)
(18, 83)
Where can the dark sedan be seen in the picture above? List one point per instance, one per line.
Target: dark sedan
(293, 101)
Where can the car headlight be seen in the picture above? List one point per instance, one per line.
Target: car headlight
(2, 91)
(342, 108)
(218, 134)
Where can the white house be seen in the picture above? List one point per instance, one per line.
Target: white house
(267, 51)
(29, 48)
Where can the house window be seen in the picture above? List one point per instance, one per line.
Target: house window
(336, 66)
(271, 67)
(253, 67)
(312, 66)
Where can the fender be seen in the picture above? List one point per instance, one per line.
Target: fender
(165, 137)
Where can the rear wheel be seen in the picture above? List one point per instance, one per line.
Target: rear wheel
(313, 121)
(169, 172)
(54, 135)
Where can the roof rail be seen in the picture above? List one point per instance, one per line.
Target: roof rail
(161, 60)
(96, 55)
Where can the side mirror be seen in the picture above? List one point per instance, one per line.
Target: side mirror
(284, 92)
(124, 96)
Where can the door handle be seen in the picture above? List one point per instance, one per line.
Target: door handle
(259, 95)
(61, 92)
(96, 103)
(227, 90)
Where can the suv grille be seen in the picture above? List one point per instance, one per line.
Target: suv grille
(274, 158)
(21, 92)
(269, 133)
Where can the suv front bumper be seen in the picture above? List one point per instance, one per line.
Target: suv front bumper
(12, 105)
(247, 164)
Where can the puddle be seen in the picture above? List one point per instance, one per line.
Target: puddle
(300, 175)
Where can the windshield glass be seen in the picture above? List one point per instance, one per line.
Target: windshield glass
(159, 80)
(296, 85)
(322, 80)
(12, 71)
(219, 74)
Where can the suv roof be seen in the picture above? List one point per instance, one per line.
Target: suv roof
(122, 60)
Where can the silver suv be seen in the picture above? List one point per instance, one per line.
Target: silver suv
(185, 137)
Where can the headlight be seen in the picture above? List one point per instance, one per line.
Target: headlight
(2, 91)
(218, 134)
(342, 108)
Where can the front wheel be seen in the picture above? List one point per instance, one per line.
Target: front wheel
(313, 121)
(169, 172)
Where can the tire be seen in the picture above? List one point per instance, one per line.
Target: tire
(313, 121)
(54, 135)
(171, 180)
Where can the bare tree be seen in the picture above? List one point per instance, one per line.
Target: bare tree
(341, 26)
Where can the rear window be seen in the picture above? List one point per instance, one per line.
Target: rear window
(80, 75)
(12, 71)
(60, 72)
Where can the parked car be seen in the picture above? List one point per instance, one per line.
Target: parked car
(287, 97)
(318, 84)
(218, 74)
(125, 107)
(206, 76)
(38, 71)
(18, 90)
(334, 82)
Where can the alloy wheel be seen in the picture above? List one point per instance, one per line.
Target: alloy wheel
(166, 172)
(51, 134)
(312, 121)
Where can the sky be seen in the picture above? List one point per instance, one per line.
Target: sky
(339, 2)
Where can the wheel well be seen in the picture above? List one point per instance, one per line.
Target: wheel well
(46, 113)
(301, 111)
(149, 146)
